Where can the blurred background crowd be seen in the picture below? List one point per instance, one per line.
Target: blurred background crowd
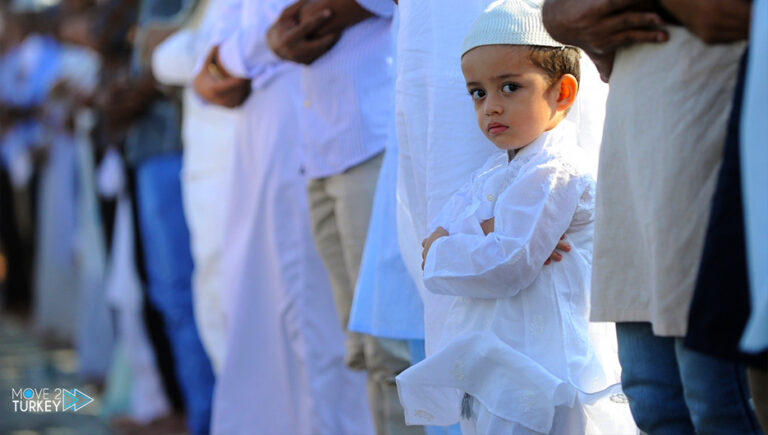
(75, 87)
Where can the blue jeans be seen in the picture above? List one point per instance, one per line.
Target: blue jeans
(168, 261)
(674, 390)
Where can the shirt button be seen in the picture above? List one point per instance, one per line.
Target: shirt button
(491, 197)
(306, 104)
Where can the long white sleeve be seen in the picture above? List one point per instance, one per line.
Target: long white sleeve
(382, 8)
(173, 61)
(245, 52)
(530, 216)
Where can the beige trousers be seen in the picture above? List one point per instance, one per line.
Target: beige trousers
(340, 209)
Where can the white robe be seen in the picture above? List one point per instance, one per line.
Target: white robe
(439, 142)
(284, 370)
(517, 338)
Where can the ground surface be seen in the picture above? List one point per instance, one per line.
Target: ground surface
(25, 363)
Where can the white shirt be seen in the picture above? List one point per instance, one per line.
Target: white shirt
(346, 116)
(517, 336)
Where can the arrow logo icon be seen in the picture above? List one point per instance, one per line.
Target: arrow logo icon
(75, 399)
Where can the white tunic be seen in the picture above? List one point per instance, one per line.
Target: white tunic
(433, 109)
(517, 335)
(661, 153)
(283, 371)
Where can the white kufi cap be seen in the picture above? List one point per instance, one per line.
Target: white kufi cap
(509, 22)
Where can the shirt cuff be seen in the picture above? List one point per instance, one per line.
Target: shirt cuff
(232, 58)
(382, 8)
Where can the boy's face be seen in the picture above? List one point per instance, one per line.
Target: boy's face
(514, 100)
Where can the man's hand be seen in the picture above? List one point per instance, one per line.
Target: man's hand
(427, 243)
(346, 13)
(291, 38)
(600, 27)
(214, 84)
(714, 21)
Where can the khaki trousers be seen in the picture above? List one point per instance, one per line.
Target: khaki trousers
(340, 209)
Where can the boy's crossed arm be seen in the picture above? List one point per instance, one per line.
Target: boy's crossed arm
(488, 226)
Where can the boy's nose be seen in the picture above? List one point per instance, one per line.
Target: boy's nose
(493, 108)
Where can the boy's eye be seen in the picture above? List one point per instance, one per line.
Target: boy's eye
(477, 94)
(510, 87)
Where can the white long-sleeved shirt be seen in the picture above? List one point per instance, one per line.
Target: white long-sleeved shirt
(517, 336)
(534, 199)
(347, 91)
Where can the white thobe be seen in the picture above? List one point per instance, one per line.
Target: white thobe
(512, 314)
(440, 143)
(660, 158)
(284, 370)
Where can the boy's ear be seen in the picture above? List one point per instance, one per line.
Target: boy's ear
(569, 87)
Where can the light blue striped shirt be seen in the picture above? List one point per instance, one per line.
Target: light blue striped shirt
(346, 92)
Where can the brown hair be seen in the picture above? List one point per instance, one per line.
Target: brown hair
(556, 61)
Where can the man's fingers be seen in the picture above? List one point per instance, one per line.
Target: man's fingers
(308, 26)
(290, 11)
(609, 7)
(630, 21)
(319, 46)
(629, 37)
(563, 246)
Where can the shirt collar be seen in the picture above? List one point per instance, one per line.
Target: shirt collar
(534, 147)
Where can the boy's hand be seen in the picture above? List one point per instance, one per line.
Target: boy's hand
(562, 245)
(427, 243)
(487, 226)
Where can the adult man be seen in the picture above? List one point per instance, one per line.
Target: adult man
(660, 155)
(348, 121)
(284, 342)
(153, 147)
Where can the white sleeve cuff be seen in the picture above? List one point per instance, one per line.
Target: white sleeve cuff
(382, 8)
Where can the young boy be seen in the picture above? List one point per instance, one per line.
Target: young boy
(517, 355)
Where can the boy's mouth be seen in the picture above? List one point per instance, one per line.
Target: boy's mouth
(495, 128)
